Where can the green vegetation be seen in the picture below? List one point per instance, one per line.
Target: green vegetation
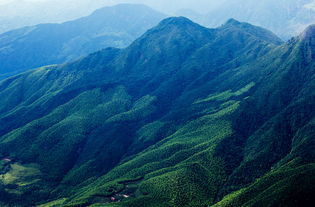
(278, 187)
(53, 203)
(185, 116)
(21, 175)
(226, 95)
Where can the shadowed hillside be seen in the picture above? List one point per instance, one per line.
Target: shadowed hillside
(184, 116)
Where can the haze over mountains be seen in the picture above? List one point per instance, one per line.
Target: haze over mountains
(118, 26)
(19, 13)
(286, 18)
(47, 44)
(182, 117)
(129, 108)
(15, 14)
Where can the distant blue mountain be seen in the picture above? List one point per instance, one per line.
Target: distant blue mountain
(286, 18)
(47, 44)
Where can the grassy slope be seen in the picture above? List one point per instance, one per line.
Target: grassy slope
(289, 185)
(271, 145)
(170, 125)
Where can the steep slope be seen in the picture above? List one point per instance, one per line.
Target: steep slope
(281, 134)
(290, 185)
(253, 133)
(46, 44)
(182, 117)
(144, 121)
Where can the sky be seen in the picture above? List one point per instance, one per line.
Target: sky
(170, 6)
(167, 6)
(284, 17)
(50, 8)
(19, 13)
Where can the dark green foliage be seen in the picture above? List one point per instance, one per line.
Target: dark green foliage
(290, 185)
(182, 117)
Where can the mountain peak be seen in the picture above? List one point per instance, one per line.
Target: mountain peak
(177, 27)
(181, 23)
(308, 33)
(177, 21)
(307, 38)
(124, 6)
(232, 22)
(258, 32)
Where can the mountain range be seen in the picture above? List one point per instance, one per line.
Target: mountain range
(48, 44)
(286, 18)
(184, 116)
(15, 14)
